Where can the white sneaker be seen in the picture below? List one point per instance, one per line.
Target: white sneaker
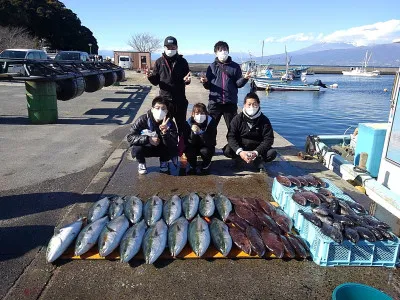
(164, 166)
(142, 169)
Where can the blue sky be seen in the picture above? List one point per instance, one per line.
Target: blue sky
(198, 25)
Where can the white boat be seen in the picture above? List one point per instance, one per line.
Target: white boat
(362, 71)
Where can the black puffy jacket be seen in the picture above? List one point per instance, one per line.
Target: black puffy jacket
(168, 74)
(259, 137)
(146, 121)
(207, 137)
(223, 81)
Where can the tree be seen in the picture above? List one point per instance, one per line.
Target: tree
(16, 37)
(145, 42)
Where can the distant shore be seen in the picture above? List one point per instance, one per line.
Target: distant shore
(201, 67)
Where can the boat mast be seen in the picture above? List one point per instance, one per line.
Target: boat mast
(262, 52)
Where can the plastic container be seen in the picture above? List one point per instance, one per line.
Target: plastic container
(41, 100)
(357, 291)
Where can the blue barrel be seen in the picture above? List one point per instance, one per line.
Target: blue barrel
(356, 291)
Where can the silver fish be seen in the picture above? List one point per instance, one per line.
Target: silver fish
(133, 209)
(207, 206)
(220, 236)
(112, 234)
(131, 241)
(155, 241)
(61, 240)
(152, 210)
(116, 207)
(224, 206)
(190, 205)
(98, 209)
(89, 235)
(172, 209)
(199, 236)
(178, 236)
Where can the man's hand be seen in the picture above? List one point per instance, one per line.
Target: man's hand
(247, 75)
(154, 140)
(187, 78)
(164, 125)
(203, 79)
(253, 155)
(195, 128)
(246, 156)
(148, 73)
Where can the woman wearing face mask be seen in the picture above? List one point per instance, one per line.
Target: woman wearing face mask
(154, 135)
(223, 79)
(171, 73)
(200, 139)
(250, 135)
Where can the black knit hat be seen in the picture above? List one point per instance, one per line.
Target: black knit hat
(170, 40)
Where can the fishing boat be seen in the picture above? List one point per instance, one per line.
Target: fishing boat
(362, 71)
(292, 87)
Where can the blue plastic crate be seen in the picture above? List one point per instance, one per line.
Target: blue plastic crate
(326, 252)
(281, 193)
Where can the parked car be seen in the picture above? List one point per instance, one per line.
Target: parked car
(72, 55)
(125, 62)
(33, 54)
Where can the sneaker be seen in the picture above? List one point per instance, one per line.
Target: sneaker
(142, 169)
(164, 167)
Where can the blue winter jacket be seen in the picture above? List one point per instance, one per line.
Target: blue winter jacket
(223, 81)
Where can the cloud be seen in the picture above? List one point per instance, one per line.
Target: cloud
(378, 33)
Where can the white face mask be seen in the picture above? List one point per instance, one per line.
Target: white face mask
(222, 55)
(169, 53)
(158, 114)
(251, 111)
(200, 118)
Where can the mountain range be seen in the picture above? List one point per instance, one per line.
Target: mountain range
(325, 54)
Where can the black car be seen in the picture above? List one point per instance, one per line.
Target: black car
(72, 55)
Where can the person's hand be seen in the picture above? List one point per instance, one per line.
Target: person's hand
(154, 141)
(195, 128)
(147, 72)
(164, 125)
(247, 75)
(253, 155)
(203, 78)
(246, 156)
(187, 78)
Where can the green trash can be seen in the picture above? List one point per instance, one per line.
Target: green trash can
(42, 102)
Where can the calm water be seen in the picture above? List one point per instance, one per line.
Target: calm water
(294, 115)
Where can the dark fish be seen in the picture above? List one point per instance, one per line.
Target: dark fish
(325, 219)
(299, 198)
(237, 201)
(323, 198)
(322, 210)
(338, 226)
(321, 183)
(351, 234)
(342, 219)
(237, 221)
(289, 250)
(240, 239)
(365, 233)
(332, 232)
(297, 246)
(302, 181)
(387, 235)
(358, 220)
(273, 242)
(252, 202)
(294, 180)
(375, 222)
(303, 243)
(284, 222)
(343, 204)
(284, 180)
(266, 206)
(357, 207)
(376, 232)
(311, 217)
(311, 180)
(256, 242)
(268, 222)
(249, 216)
(325, 192)
(311, 197)
(334, 206)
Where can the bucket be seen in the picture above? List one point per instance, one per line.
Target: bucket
(356, 291)
(41, 100)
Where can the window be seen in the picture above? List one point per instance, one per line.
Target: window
(31, 55)
(124, 58)
(143, 59)
(13, 54)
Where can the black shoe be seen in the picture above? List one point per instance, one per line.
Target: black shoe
(205, 168)
(192, 171)
(259, 164)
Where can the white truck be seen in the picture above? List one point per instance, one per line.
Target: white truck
(125, 62)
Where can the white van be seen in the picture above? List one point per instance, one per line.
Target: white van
(22, 54)
(125, 62)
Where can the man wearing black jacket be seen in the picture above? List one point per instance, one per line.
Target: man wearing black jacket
(250, 135)
(154, 135)
(223, 79)
(200, 138)
(171, 73)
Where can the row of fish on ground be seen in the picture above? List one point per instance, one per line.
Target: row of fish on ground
(337, 217)
(255, 226)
